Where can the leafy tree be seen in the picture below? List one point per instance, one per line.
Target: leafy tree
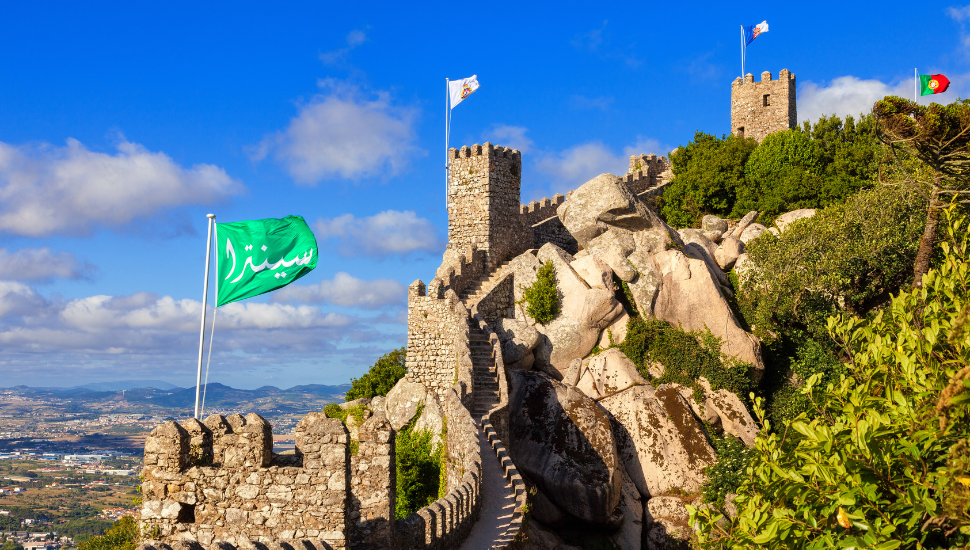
(939, 136)
(885, 460)
(707, 173)
(381, 377)
(812, 167)
(123, 536)
(543, 296)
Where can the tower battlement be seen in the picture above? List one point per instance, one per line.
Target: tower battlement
(765, 107)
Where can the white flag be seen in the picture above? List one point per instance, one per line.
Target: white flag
(460, 89)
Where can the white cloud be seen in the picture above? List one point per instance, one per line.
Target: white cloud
(19, 299)
(388, 232)
(846, 95)
(43, 264)
(348, 291)
(344, 132)
(354, 38)
(46, 189)
(509, 136)
(961, 16)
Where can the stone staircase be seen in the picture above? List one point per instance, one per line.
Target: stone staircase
(484, 371)
(471, 295)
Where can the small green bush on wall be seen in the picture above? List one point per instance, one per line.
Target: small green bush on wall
(542, 298)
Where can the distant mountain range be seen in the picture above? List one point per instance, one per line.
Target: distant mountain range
(145, 395)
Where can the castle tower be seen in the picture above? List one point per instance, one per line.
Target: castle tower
(762, 108)
(484, 185)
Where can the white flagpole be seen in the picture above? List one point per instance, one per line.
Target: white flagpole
(212, 331)
(915, 84)
(447, 136)
(205, 294)
(742, 53)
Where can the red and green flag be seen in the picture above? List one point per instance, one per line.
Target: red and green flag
(933, 84)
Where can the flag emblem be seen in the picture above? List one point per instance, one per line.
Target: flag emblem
(754, 31)
(933, 84)
(458, 90)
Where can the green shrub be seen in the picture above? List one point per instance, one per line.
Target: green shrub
(418, 464)
(124, 535)
(543, 296)
(850, 256)
(884, 461)
(686, 356)
(707, 174)
(380, 378)
(334, 410)
(811, 167)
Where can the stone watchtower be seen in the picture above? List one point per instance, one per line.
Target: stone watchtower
(484, 184)
(762, 108)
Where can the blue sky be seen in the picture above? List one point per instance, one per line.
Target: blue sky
(121, 126)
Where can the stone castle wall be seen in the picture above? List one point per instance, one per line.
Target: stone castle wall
(765, 107)
(438, 355)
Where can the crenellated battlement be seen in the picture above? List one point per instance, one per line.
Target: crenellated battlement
(485, 150)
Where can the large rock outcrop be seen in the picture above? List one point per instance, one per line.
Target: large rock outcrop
(403, 400)
(671, 276)
(690, 298)
(563, 442)
(661, 445)
(608, 373)
(584, 313)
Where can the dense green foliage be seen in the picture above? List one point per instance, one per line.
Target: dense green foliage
(76, 527)
(848, 256)
(707, 174)
(685, 356)
(380, 378)
(809, 167)
(11, 545)
(419, 467)
(543, 296)
(123, 536)
(884, 460)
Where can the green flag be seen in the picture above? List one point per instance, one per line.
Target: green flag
(259, 256)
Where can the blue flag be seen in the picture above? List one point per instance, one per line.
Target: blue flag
(752, 32)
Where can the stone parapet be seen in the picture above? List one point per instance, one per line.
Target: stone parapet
(250, 494)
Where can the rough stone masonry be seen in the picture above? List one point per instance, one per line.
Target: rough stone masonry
(762, 108)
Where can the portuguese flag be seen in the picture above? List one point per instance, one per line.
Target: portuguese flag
(933, 84)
